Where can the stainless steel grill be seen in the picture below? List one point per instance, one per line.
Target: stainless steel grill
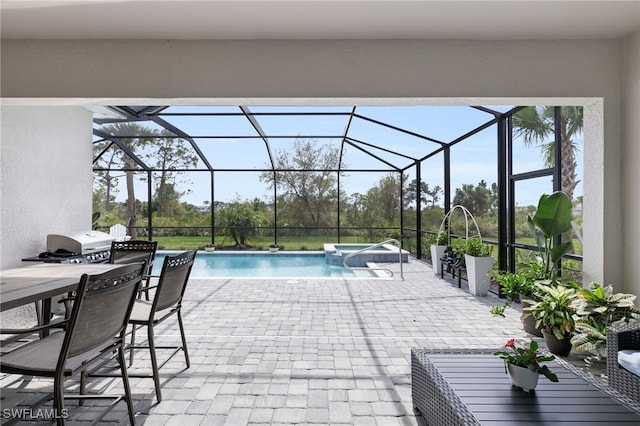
(86, 247)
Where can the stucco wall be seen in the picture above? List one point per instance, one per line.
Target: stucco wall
(388, 71)
(45, 182)
(631, 166)
(308, 69)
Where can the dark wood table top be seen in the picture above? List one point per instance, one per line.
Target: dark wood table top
(480, 381)
(27, 284)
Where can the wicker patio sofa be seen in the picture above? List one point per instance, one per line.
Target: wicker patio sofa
(620, 379)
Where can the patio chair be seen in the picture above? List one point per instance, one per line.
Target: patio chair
(94, 330)
(119, 232)
(166, 302)
(453, 263)
(625, 337)
(123, 252)
(135, 251)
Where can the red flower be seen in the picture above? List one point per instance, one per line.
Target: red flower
(511, 343)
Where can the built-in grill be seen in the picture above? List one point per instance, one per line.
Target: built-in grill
(86, 247)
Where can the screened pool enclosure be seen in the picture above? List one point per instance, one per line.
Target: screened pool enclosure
(252, 175)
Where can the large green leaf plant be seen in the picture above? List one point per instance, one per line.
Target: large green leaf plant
(597, 308)
(551, 220)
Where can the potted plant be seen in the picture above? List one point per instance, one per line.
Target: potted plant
(478, 263)
(520, 286)
(555, 314)
(551, 220)
(210, 248)
(597, 308)
(439, 244)
(273, 248)
(511, 287)
(524, 364)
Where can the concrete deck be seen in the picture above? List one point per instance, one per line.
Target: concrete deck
(292, 351)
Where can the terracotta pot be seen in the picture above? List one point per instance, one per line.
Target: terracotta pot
(523, 377)
(528, 322)
(560, 347)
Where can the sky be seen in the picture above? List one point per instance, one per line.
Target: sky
(472, 160)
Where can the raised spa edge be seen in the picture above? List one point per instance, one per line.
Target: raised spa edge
(386, 253)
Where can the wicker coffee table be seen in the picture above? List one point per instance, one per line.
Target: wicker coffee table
(471, 388)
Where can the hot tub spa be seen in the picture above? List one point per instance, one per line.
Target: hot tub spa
(386, 253)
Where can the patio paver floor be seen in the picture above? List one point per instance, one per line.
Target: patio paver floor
(300, 351)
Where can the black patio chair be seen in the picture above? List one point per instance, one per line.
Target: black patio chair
(166, 302)
(94, 330)
(453, 263)
(123, 252)
(135, 251)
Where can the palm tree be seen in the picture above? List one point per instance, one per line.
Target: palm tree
(536, 124)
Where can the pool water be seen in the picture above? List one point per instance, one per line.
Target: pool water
(260, 265)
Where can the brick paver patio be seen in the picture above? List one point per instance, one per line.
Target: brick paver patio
(300, 351)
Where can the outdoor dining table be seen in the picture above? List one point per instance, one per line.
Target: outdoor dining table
(41, 282)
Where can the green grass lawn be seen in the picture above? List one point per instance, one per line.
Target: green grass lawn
(287, 243)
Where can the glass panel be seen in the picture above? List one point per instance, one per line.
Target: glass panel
(473, 181)
(169, 152)
(108, 155)
(391, 145)
(302, 121)
(231, 125)
(527, 194)
(300, 147)
(433, 201)
(110, 196)
(443, 123)
(533, 136)
(572, 269)
(234, 153)
(240, 186)
(527, 157)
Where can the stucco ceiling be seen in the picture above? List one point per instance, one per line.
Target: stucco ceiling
(328, 19)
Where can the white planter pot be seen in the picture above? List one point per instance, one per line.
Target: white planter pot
(437, 251)
(523, 377)
(477, 270)
(210, 249)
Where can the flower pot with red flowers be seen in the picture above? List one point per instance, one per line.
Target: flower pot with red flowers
(523, 364)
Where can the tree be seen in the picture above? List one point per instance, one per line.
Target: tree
(167, 153)
(124, 131)
(105, 181)
(412, 190)
(387, 196)
(477, 199)
(378, 208)
(311, 192)
(427, 194)
(167, 201)
(240, 221)
(536, 124)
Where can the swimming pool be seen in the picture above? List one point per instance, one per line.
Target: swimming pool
(261, 265)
